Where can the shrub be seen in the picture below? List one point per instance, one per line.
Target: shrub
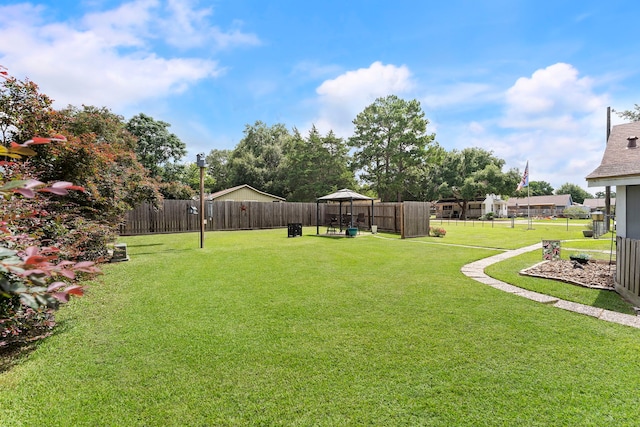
(437, 231)
(33, 279)
(575, 212)
(582, 258)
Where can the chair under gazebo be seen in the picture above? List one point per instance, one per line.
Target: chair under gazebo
(341, 196)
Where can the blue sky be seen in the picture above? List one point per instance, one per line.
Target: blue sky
(529, 80)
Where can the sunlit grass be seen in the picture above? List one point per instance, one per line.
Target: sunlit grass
(260, 329)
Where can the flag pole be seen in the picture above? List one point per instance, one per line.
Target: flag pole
(529, 204)
(524, 182)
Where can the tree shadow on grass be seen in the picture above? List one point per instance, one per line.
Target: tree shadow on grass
(160, 251)
(16, 352)
(13, 354)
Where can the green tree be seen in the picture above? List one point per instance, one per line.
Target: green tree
(156, 146)
(218, 168)
(473, 173)
(192, 178)
(574, 212)
(632, 115)
(176, 190)
(536, 188)
(98, 123)
(258, 158)
(24, 112)
(316, 165)
(173, 172)
(578, 194)
(392, 146)
(602, 194)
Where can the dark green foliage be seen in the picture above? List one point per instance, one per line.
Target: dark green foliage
(315, 166)
(473, 173)
(176, 191)
(155, 146)
(258, 158)
(577, 193)
(392, 147)
(536, 188)
(218, 168)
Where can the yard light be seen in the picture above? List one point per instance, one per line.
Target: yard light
(201, 164)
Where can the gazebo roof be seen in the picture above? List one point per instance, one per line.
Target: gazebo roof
(343, 195)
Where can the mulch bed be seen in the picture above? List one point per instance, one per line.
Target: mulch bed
(593, 274)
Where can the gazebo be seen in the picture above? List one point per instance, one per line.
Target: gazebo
(344, 195)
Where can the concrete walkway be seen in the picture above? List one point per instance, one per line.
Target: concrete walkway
(475, 270)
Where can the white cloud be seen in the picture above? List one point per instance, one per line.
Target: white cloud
(553, 95)
(554, 119)
(107, 58)
(189, 26)
(126, 25)
(342, 98)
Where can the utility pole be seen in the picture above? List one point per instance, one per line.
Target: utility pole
(607, 189)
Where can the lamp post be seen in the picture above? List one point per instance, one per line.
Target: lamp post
(201, 165)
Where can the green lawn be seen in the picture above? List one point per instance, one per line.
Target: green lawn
(259, 329)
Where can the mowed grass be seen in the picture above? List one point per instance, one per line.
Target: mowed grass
(259, 329)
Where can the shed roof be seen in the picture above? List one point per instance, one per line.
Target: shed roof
(618, 161)
(221, 193)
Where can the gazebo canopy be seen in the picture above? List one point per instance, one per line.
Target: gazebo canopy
(343, 195)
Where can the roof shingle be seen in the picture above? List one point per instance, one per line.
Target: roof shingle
(618, 160)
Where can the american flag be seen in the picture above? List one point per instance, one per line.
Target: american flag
(524, 182)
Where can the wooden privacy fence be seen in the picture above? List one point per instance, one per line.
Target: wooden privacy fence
(627, 280)
(415, 219)
(174, 216)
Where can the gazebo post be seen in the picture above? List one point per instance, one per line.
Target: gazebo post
(373, 215)
(352, 212)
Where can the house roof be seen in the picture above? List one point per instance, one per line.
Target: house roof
(553, 200)
(221, 193)
(597, 203)
(454, 200)
(618, 160)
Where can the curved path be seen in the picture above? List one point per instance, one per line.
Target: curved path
(475, 270)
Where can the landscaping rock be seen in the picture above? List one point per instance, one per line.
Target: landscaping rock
(592, 274)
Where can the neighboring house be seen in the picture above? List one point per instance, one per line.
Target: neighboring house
(495, 205)
(620, 168)
(598, 204)
(450, 208)
(545, 206)
(244, 193)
